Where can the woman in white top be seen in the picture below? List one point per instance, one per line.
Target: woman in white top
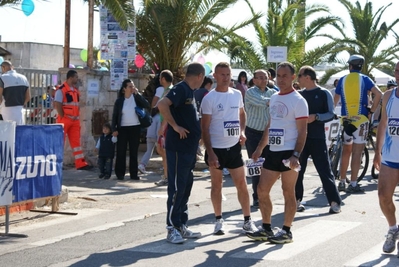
(126, 125)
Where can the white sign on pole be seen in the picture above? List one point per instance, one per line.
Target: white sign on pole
(276, 54)
(7, 163)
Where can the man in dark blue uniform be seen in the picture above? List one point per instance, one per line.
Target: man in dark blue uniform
(321, 110)
(179, 111)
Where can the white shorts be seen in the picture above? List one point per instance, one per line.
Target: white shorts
(359, 136)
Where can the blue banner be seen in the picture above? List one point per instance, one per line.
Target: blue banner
(39, 152)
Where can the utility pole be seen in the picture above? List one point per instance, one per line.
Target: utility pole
(90, 35)
(67, 33)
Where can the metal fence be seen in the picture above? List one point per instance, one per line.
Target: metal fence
(39, 110)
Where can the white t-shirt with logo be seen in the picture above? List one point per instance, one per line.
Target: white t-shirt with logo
(225, 122)
(285, 109)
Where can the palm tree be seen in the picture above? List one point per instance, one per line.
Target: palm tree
(370, 32)
(168, 33)
(285, 26)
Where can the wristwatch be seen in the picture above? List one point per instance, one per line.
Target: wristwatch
(296, 154)
(316, 117)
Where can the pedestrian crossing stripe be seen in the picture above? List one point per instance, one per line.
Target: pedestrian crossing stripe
(305, 238)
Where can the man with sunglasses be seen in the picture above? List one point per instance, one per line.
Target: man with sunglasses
(321, 110)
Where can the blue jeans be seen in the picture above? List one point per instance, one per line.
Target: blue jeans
(105, 165)
(180, 182)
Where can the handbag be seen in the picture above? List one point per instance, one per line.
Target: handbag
(144, 117)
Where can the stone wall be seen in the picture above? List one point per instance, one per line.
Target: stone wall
(104, 100)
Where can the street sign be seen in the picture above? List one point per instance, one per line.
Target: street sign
(276, 54)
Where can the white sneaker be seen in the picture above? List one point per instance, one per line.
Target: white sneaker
(174, 236)
(225, 172)
(219, 227)
(299, 206)
(389, 244)
(187, 233)
(249, 227)
(141, 168)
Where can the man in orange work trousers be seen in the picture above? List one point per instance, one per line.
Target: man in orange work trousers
(66, 102)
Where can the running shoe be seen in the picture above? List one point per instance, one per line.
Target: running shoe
(389, 244)
(335, 208)
(260, 235)
(281, 237)
(174, 236)
(225, 172)
(219, 227)
(299, 206)
(162, 182)
(341, 187)
(249, 227)
(187, 233)
(354, 189)
(141, 168)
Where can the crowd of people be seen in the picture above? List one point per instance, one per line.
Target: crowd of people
(279, 121)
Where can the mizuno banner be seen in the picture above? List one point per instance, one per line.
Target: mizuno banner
(39, 154)
(7, 166)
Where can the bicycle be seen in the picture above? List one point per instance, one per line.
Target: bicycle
(335, 152)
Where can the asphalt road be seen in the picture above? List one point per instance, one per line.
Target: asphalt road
(122, 223)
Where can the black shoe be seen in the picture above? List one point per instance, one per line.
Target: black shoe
(281, 237)
(256, 203)
(120, 177)
(85, 168)
(102, 175)
(261, 235)
(107, 176)
(135, 178)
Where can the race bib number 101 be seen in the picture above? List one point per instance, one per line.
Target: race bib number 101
(231, 128)
(276, 137)
(253, 168)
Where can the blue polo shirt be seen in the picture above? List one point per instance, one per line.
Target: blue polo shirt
(184, 112)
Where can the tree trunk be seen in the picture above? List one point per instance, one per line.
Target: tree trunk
(90, 35)
(67, 33)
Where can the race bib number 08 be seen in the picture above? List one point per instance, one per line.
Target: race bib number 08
(253, 168)
(393, 126)
(276, 137)
(231, 128)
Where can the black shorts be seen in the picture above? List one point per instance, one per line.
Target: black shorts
(274, 159)
(230, 158)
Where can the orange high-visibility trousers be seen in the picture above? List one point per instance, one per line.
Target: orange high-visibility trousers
(72, 130)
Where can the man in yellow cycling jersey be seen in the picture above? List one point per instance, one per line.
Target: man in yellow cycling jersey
(353, 90)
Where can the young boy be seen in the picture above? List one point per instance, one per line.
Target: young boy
(106, 151)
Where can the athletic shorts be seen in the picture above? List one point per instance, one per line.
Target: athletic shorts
(390, 164)
(230, 158)
(358, 136)
(274, 159)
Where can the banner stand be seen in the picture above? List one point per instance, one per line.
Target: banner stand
(7, 224)
(54, 208)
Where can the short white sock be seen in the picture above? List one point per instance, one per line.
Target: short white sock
(353, 183)
(394, 227)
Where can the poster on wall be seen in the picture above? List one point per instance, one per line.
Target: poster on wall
(7, 162)
(117, 45)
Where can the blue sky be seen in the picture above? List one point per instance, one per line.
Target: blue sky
(46, 23)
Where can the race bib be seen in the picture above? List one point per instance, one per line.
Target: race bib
(276, 137)
(393, 126)
(253, 168)
(231, 128)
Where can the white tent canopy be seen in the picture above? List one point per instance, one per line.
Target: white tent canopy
(380, 77)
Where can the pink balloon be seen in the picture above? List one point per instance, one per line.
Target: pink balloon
(201, 60)
(139, 61)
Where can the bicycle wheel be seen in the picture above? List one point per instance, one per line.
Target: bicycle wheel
(374, 172)
(365, 163)
(335, 156)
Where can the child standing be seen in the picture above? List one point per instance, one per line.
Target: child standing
(106, 151)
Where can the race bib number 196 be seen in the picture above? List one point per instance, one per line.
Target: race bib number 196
(276, 137)
(253, 168)
(393, 126)
(231, 128)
